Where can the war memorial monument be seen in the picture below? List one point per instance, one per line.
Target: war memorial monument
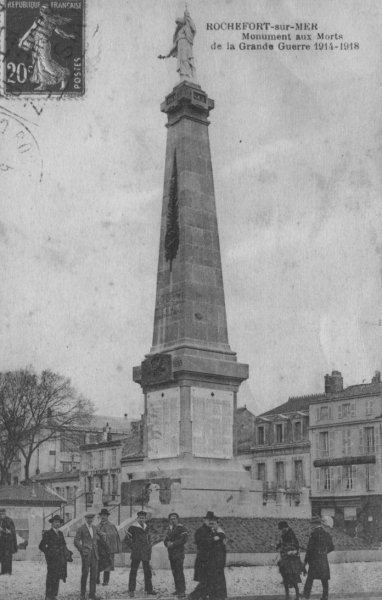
(191, 377)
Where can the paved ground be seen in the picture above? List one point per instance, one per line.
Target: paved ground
(349, 581)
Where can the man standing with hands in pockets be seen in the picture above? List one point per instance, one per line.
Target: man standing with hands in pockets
(175, 541)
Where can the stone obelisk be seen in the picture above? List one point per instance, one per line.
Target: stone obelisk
(191, 377)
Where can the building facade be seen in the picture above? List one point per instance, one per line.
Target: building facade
(281, 453)
(346, 455)
(62, 455)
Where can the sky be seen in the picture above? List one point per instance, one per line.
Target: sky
(296, 140)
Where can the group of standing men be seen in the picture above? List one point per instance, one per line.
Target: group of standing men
(210, 556)
(98, 544)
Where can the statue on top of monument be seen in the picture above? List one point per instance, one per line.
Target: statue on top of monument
(182, 46)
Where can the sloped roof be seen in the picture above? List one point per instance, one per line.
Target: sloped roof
(132, 447)
(57, 476)
(296, 403)
(31, 495)
(117, 424)
(253, 535)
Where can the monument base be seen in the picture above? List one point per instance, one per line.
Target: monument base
(193, 486)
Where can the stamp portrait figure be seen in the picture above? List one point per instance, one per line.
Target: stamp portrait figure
(46, 72)
(182, 47)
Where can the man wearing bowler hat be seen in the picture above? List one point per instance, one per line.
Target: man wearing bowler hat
(319, 545)
(139, 538)
(86, 542)
(175, 541)
(113, 546)
(204, 540)
(53, 545)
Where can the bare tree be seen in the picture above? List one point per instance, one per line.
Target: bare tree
(13, 386)
(36, 408)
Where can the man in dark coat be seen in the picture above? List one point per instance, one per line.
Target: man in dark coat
(8, 542)
(138, 537)
(204, 543)
(110, 547)
(319, 545)
(217, 587)
(53, 545)
(175, 541)
(290, 565)
(86, 542)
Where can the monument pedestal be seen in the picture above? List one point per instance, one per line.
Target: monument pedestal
(191, 376)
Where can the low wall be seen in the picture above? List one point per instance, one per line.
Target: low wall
(160, 560)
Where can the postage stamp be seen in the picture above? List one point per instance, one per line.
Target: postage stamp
(44, 47)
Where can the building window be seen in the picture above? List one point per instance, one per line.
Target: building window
(66, 467)
(261, 471)
(299, 472)
(297, 431)
(347, 477)
(324, 413)
(89, 461)
(114, 457)
(369, 440)
(100, 459)
(350, 513)
(369, 407)
(347, 410)
(280, 474)
(279, 434)
(323, 444)
(370, 478)
(260, 436)
(346, 442)
(326, 479)
(114, 484)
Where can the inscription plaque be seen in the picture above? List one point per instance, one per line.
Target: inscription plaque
(163, 416)
(212, 423)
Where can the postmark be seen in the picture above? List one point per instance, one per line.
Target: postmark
(20, 157)
(44, 48)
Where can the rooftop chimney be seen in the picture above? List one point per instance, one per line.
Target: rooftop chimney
(377, 377)
(334, 383)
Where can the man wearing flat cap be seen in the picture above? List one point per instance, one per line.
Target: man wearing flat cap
(319, 545)
(204, 540)
(86, 542)
(138, 537)
(175, 540)
(53, 545)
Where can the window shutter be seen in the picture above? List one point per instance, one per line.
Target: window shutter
(331, 478)
(343, 441)
(317, 414)
(340, 411)
(339, 478)
(352, 409)
(330, 413)
(318, 453)
(377, 440)
(354, 473)
(318, 479)
(331, 443)
(361, 443)
(371, 477)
